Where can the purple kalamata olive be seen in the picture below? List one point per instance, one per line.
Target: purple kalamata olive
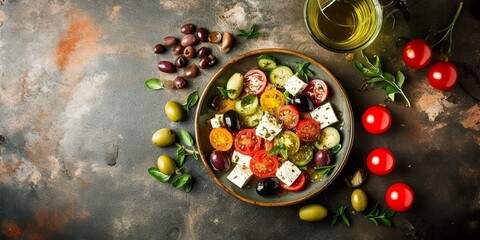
(159, 48)
(203, 52)
(206, 61)
(180, 82)
(170, 41)
(322, 158)
(188, 28)
(166, 67)
(178, 49)
(181, 61)
(267, 187)
(220, 160)
(189, 40)
(191, 71)
(202, 34)
(189, 52)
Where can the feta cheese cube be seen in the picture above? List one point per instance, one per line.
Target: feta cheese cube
(294, 85)
(288, 173)
(241, 159)
(216, 121)
(269, 127)
(240, 175)
(325, 115)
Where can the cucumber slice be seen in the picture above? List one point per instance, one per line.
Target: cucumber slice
(303, 156)
(329, 138)
(266, 62)
(252, 120)
(247, 105)
(280, 75)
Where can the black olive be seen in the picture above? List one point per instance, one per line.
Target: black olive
(268, 186)
(231, 121)
(303, 103)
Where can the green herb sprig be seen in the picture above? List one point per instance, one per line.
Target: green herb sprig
(340, 213)
(250, 33)
(381, 79)
(280, 148)
(224, 92)
(303, 71)
(154, 84)
(325, 170)
(192, 100)
(376, 215)
(183, 151)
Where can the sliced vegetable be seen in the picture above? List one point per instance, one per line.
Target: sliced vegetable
(289, 139)
(263, 165)
(221, 139)
(271, 100)
(247, 105)
(317, 91)
(222, 105)
(297, 185)
(279, 75)
(252, 120)
(255, 81)
(308, 130)
(303, 156)
(289, 115)
(329, 138)
(266, 62)
(246, 142)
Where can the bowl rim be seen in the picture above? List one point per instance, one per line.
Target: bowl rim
(206, 162)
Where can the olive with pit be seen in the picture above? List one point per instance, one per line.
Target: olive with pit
(359, 200)
(180, 82)
(202, 34)
(232, 121)
(163, 137)
(189, 52)
(181, 62)
(267, 187)
(174, 111)
(312, 212)
(166, 165)
(166, 67)
(188, 28)
(207, 61)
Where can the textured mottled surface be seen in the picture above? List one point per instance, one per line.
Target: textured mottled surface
(76, 121)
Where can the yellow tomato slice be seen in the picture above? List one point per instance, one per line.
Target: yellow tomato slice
(271, 100)
(221, 139)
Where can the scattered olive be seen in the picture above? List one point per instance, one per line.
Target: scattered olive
(170, 41)
(303, 102)
(166, 67)
(215, 37)
(268, 186)
(203, 52)
(189, 40)
(188, 28)
(163, 137)
(359, 200)
(181, 62)
(220, 160)
(174, 111)
(312, 212)
(159, 48)
(232, 121)
(206, 61)
(227, 41)
(189, 52)
(191, 71)
(180, 82)
(166, 165)
(178, 49)
(202, 34)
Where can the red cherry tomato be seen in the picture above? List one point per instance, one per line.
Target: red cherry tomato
(317, 91)
(263, 165)
(380, 161)
(289, 115)
(297, 185)
(399, 197)
(255, 81)
(246, 142)
(308, 130)
(376, 119)
(442, 75)
(417, 54)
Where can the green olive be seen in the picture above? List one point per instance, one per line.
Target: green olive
(166, 165)
(359, 200)
(174, 111)
(312, 212)
(163, 137)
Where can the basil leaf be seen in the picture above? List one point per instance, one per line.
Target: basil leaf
(191, 100)
(378, 64)
(154, 84)
(400, 79)
(365, 57)
(247, 100)
(391, 90)
(280, 148)
(181, 152)
(375, 80)
(158, 175)
(185, 137)
(181, 180)
(336, 149)
(386, 222)
(389, 77)
(325, 170)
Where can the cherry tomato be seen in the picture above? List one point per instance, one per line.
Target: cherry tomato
(289, 115)
(380, 161)
(417, 53)
(317, 91)
(263, 165)
(308, 130)
(221, 139)
(271, 100)
(376, 119)
(297, 185)
(255, 81)
(442, 75)
(399, 197)
(246, 142)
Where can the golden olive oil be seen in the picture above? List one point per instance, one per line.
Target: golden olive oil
(344, 25)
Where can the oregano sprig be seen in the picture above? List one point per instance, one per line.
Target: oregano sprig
(340, 213)
(303, 71)
(250, 33)
(376, 215)
(280, 148)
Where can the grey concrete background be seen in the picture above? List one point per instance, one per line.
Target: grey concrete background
(72, 96)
